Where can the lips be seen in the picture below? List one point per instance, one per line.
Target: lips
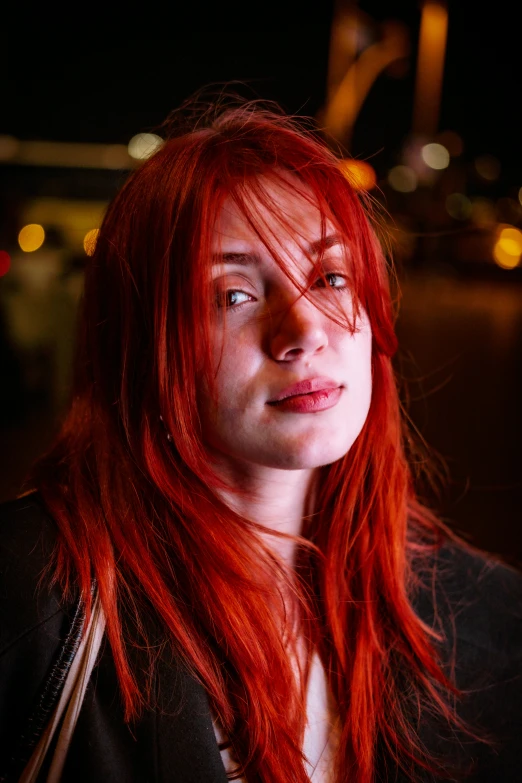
(307, 386)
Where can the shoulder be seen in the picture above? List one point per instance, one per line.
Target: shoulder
(476, 597)
(473, 599)
(27, 539)
(22, 520)
(34, 618)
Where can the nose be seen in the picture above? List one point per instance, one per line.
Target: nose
(298, 332)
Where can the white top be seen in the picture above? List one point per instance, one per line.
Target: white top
(320, 736)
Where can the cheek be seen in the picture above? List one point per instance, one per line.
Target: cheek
(357, 358)
(364, 355)
(355, 349)
(236, 370)
(237, 355)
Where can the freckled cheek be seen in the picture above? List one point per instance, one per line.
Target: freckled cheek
(237, 364)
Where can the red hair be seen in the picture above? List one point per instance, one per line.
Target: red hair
(142, 513)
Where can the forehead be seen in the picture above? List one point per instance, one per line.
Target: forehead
(281, 210)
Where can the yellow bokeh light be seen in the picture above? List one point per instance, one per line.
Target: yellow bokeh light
(503, 259)
(143, 145)
(359, 174)
(403, 179)
(89, 241)
(31, 237)
(510, 232)
(436, 156)
(507, 251)
(510, 246)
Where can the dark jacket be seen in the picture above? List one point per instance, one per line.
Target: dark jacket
(175, 742)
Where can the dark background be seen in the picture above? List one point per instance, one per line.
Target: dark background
(460, 330)
(106, 87)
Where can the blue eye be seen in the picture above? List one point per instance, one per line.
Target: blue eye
(232, 298)
(340, 280)
(334, 280)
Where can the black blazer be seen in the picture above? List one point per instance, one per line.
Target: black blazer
(175, 742)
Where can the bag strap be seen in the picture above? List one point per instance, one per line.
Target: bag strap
(50, 693)
(70, 701)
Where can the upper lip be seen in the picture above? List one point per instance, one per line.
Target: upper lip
(305, 387)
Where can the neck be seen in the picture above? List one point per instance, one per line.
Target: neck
(276, 499)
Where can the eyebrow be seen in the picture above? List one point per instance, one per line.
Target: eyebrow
(253, 259)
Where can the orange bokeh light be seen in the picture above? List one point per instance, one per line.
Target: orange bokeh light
(359, 174)
(507, 251)
(89, 241)
(31, 237)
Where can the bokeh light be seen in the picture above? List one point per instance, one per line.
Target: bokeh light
(89, 241)
(507, 251)
(143, 145)
(361, 175)
(488, 167)
(5, 262)
(31, 237)
(403, 179)
(436, 156)
(458, 206)
(520, 195)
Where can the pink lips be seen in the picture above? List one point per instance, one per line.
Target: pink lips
(308, 396)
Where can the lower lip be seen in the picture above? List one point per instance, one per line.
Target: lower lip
(310, 403)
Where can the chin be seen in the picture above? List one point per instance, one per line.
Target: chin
(307, 458)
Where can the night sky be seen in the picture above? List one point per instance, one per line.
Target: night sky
(105, 88)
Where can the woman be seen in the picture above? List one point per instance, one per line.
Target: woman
(231, 481)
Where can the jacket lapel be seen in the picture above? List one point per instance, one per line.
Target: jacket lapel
(187, 749)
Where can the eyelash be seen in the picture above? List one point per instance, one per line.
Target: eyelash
(220, 297)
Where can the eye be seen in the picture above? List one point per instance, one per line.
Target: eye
(334, 280)
(232, 298)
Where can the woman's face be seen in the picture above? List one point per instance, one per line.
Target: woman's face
(271, 342)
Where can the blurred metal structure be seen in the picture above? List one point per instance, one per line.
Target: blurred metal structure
(64, 154)
(430, 67)
(359, 52)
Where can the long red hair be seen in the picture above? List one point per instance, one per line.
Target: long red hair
(134, 495)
